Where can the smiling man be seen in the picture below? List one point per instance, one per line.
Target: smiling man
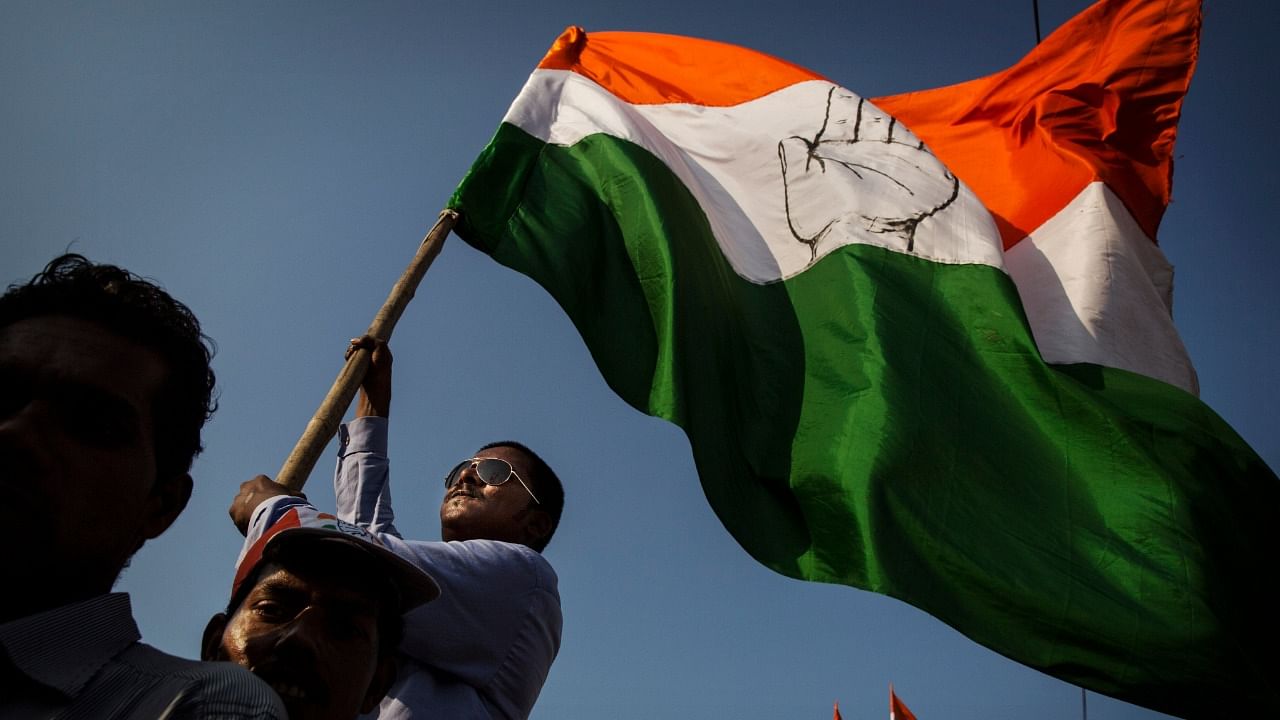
(105, 385)
(484, 648)
(316, 612)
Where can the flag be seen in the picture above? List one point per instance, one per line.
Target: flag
(836, 321)
(836, 715)
(898, 709)
(1071, 150)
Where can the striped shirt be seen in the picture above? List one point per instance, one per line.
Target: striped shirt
(85, 661)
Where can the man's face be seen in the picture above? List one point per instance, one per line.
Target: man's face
(312, 635)
(77, 457)
(473, 510)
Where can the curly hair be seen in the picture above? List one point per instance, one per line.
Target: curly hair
(142, 312)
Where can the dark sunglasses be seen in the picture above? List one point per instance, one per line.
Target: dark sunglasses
(491, 471)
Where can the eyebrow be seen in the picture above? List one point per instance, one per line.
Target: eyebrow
(66, 390)
(102, 397)
(278, 587)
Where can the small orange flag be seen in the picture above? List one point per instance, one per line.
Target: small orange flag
(897, 709)
(837, 715)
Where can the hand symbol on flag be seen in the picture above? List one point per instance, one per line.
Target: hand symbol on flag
(861, 173)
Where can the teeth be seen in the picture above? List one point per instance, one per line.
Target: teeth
(289, 691)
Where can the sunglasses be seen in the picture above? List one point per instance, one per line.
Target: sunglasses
(491, 471)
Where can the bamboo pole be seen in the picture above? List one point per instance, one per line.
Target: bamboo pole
(297, 467)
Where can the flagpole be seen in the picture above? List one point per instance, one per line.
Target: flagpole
(297, 467)
(1035, 10)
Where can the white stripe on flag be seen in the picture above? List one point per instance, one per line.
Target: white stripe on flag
(853, 175)
(1097, 290)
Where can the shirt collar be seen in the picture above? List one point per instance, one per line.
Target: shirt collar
(65, 647)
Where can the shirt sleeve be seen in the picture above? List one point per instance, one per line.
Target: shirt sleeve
(362, 480)
(267, 512)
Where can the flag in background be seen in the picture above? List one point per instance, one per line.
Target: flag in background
(788, 273)
(898, 709)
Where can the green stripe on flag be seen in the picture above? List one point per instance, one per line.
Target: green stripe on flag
(885, 422)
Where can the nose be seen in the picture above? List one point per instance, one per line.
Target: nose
(22, 426)
(18, 413)
(469, 474)
(301, 636)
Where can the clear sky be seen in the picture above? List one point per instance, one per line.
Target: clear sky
(274, 164)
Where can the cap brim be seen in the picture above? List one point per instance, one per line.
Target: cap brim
(415, 585)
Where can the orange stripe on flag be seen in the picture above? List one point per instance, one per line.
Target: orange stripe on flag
(650, 68)
(1027, 140)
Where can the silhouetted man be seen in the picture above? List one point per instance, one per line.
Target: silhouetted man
(104, 386)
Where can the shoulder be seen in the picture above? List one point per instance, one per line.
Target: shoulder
(209, 689)
(500, 558)
(460, 565)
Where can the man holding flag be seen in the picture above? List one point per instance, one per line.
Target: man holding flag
(920, 345)
(483, 649)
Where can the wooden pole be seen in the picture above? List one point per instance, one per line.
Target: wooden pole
(297, 467)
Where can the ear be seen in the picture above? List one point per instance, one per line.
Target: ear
(380, 684)
(537, 526)
(211, 641)
(168, 498)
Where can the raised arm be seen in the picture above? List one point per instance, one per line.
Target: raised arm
(375, 390)
(361, 482)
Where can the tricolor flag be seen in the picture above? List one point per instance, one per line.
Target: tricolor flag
(986, 414)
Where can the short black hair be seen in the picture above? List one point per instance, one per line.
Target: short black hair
(390, 620)
(142, 312)
(546, 484)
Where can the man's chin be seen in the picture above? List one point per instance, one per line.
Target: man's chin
(304, 697)
(458, 506)
(305, 709)
(300, 710)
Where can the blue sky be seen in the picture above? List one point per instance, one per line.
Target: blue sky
(274, 164)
